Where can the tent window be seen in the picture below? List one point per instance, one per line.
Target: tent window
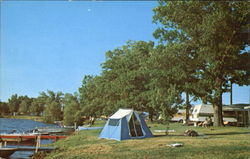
(132, 128)
(135, 127)
(113, 122)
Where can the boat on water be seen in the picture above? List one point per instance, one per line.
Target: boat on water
(54, 130)
(6, 152)
(17, 137)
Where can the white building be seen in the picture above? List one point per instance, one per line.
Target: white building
(234, 114)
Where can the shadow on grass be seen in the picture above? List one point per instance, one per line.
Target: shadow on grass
(228, 133)
(161, 135)
(205, 134)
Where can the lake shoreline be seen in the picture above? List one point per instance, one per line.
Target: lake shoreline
(21, 124)
(216, 143)
(28, 117)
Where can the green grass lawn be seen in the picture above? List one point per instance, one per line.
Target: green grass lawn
(213, 143)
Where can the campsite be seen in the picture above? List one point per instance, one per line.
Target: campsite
(213, 143)
(125, 79)
(125, 134)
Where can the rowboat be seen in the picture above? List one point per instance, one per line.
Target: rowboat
(16, 137)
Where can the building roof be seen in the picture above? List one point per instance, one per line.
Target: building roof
(208, 108)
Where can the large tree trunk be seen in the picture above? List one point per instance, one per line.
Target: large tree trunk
(218, 115)
(187, 107)
(218, 118)
(231, 93)
(151, 114)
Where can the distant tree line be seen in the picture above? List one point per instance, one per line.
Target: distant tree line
(201, 51)
(52, 106)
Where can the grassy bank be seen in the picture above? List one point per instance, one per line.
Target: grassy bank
(216, 143)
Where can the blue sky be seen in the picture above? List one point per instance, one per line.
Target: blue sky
(52, 45)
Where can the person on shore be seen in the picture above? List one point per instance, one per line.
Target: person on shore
(207, 122)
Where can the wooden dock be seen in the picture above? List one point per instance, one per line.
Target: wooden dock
(7, 151)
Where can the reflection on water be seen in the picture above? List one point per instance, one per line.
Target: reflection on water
(21, 155)
(21, 125)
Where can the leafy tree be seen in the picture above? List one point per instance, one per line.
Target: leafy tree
(53, 106)
(136, 80)
(13, 103)
(124, 71)
(122, 82)
(83, 90)
(25, 103)
(164, 92)
(72, 113)
(34, 108)
(37, 106)
(214, 32)
(92, 96)
(178, 65)
(51, 96)
(24, 107)
(52, 112)
(127, 81)
(4, 109)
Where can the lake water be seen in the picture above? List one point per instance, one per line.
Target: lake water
(21, 125)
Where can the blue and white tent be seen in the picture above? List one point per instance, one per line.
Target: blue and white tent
(125, 124)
